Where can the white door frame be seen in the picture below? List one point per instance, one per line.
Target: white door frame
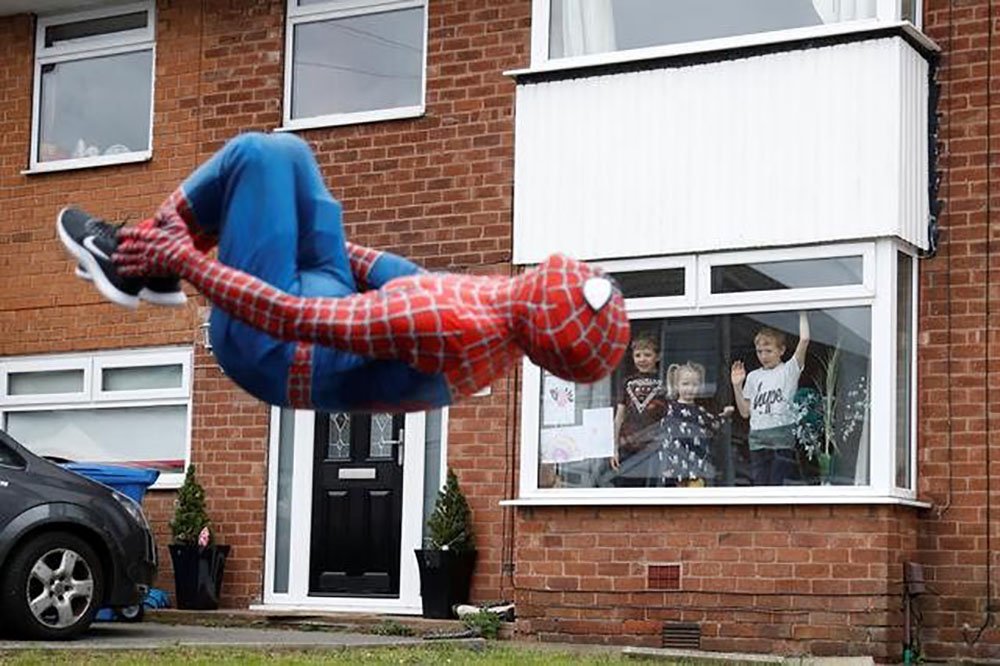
(297, 596)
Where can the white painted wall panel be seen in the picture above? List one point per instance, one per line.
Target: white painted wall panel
(796, 147)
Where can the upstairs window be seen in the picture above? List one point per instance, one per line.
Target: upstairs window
(353, 61)
(93, 94)
(572, 28)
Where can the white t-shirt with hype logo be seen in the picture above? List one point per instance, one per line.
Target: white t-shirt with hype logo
(769, 392)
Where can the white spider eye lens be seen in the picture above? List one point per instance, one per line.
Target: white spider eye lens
(597, 292)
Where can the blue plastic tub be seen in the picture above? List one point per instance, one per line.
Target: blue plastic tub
(127, 480)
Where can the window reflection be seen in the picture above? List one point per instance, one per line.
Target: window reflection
(668, 417)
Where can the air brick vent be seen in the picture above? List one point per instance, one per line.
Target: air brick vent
(681, 636)
(664, 577)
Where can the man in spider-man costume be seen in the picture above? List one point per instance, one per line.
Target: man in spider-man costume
(304, 319)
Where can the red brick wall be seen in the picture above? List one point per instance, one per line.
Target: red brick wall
(958, 348)
(436, 189)
(814, 580)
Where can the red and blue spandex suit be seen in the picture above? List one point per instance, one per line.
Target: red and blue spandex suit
(304, 319)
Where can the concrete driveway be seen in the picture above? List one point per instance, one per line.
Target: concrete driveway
(145, 635)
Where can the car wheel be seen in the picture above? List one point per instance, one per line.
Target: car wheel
(52, 587)
(131, 613)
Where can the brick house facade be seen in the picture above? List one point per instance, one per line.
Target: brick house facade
(781, 577)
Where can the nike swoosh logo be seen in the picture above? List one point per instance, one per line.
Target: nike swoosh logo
(89, 243)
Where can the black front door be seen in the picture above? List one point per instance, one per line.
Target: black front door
(357, 505)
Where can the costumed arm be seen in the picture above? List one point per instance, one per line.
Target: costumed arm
(376, 324)
(800, 349)
(374, 268)
(738, 375)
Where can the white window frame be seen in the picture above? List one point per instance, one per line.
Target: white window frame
(94, 397)
(887, 13)
(334, 9)
(129, 41)
(880, 263)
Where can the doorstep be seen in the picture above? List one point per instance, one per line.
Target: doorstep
(364, 623)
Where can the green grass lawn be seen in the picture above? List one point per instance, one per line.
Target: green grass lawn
(431, 655)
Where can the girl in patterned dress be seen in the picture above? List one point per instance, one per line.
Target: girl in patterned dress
(687, 429)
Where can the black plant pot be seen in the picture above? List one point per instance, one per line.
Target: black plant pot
(198, 575)
(445, 578)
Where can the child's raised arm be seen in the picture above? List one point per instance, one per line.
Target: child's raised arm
(800, 349)
(738, 375)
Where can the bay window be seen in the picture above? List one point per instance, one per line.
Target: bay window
(123, 408)
(835, 429)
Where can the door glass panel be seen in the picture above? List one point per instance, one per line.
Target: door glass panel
(283, 509)
(382, 437)
(338, 445)
(792, 274)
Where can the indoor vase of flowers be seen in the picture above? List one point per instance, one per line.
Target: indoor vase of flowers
(828, 419)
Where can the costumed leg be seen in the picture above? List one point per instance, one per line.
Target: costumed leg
(262, 198)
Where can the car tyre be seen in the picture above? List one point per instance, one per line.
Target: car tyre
(63, 575)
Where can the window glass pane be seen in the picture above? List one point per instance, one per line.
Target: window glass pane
(795, 274)
(358, 63)
(909, 11)
(666, 417)
(142, 378)
(68, 32)
(95, 106)
(149, 437)
(904, 369)
(47, 381)
(580, 27)
(643, 284)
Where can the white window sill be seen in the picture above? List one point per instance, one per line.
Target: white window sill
(358, 118)
(88, 162)
(689, 497)
(725, 44)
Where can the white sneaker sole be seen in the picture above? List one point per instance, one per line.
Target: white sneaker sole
(170, 299)
(84, 257)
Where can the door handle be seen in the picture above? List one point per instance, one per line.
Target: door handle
(398, 443)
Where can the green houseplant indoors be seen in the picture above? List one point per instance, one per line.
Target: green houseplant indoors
(447, 563)
(199, 563)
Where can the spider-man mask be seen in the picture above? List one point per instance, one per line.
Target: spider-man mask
(573, 321)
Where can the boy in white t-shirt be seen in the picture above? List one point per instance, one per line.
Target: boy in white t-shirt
(765, 397)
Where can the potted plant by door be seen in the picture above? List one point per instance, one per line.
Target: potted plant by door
(198, 562)
(447, 562)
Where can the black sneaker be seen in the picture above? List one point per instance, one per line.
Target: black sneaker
(155, 290)
(92, 242)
